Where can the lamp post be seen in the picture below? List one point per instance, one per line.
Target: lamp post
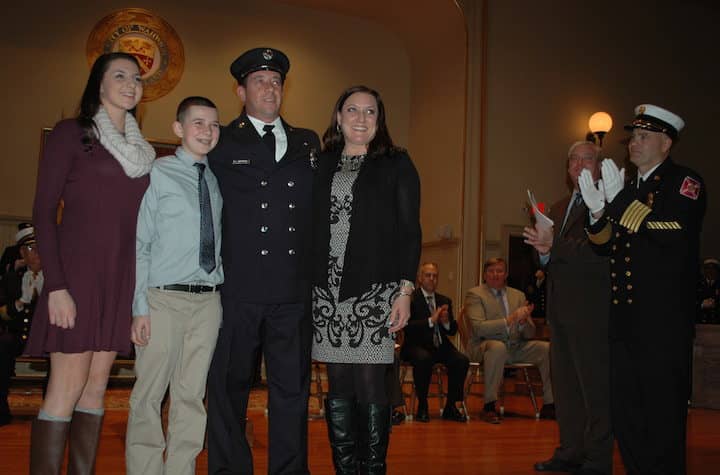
(600, 124)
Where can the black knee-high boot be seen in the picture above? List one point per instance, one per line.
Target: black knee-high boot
(340, 417)
(374, 435)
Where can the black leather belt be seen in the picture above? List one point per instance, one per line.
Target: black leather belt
(192, 288)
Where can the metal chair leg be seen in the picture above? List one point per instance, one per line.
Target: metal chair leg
(532, 392)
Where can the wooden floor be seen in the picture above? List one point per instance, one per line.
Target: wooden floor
(440, 447)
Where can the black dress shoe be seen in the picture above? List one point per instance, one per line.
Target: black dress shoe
(422, 415)
(397, 418)
(556, 465)
(547, 411)
(451, 413)
(491, 417)
(5, 418)
(587, 471)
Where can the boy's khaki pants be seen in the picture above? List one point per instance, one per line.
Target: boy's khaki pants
(183, 331)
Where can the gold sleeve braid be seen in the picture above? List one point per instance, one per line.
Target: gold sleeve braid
(634, 215)
(602, 236)
(665, 225)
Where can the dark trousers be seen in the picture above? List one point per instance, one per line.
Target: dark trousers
(423, 360)
(579, 361)
(8, 350)
(283, 331)
(649, 396)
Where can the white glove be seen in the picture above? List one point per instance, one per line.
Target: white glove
(28, 285)
(594, 197)
(613, 179)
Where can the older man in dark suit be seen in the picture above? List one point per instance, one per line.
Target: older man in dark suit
(427, 341)
(264, 168)
(578, 292)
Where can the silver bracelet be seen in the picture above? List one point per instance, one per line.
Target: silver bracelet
(406, 283)
(406, 294)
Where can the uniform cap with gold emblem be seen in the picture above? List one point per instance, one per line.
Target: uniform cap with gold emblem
(257, 59)
(656, 119)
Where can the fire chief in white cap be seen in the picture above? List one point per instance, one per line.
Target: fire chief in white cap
(650, 228)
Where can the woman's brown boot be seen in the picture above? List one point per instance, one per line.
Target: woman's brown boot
(47, 446)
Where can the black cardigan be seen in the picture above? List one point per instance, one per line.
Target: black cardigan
(385, 237)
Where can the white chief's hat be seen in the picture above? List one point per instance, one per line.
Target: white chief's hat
(656, 119)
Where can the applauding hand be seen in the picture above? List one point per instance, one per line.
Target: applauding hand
(593, 196)
(613, 179)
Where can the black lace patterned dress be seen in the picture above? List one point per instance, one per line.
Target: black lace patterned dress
(353, 330)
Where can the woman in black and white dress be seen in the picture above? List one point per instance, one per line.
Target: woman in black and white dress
(366, 250)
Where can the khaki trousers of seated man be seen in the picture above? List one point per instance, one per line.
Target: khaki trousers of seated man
(495, 354)
(183, 331)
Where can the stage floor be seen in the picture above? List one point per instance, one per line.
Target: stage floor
(439, 447)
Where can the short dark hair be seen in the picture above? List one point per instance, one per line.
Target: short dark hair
(494, 261)
(90, 101)
(381, 144)
(188, 102)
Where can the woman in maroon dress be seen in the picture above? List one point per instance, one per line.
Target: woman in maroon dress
(97, 164)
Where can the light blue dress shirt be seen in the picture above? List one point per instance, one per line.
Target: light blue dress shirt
(168, 229)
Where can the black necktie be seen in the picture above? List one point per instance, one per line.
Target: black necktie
(575, 201)
(207, 235)
(269, 138)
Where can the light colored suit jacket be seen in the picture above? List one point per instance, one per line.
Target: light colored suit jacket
(486, 316)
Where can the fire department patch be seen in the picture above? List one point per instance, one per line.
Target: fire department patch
(150, 39)
(690, 188)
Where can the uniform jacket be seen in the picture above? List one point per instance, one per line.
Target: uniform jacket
(266, 212)
(652, 236)
(19, 320)
(418, 332)
(385, 237)
(486, 316)
(578, 279)
(706, 290)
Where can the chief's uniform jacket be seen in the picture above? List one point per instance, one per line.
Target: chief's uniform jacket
(651, 234)
(265, 250)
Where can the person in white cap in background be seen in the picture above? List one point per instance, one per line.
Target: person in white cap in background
(650, 228)
(22, 283)
(708, 297)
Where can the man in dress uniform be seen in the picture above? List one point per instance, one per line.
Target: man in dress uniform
(708, 296)
(22, 283)
(578, 307)
(264, 168)
(650, 228)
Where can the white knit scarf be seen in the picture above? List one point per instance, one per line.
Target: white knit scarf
(131, 150)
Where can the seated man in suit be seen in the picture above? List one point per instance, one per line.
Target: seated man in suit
(427, 341)
(501, 327)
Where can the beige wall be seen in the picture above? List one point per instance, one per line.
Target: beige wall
(45, 69)
(417, 64)
(552, 64)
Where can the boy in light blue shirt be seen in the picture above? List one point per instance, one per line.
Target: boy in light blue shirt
(176, 308)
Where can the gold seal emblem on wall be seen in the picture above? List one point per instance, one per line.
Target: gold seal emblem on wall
(150, 39)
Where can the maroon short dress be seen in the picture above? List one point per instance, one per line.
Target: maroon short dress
(92, 252)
